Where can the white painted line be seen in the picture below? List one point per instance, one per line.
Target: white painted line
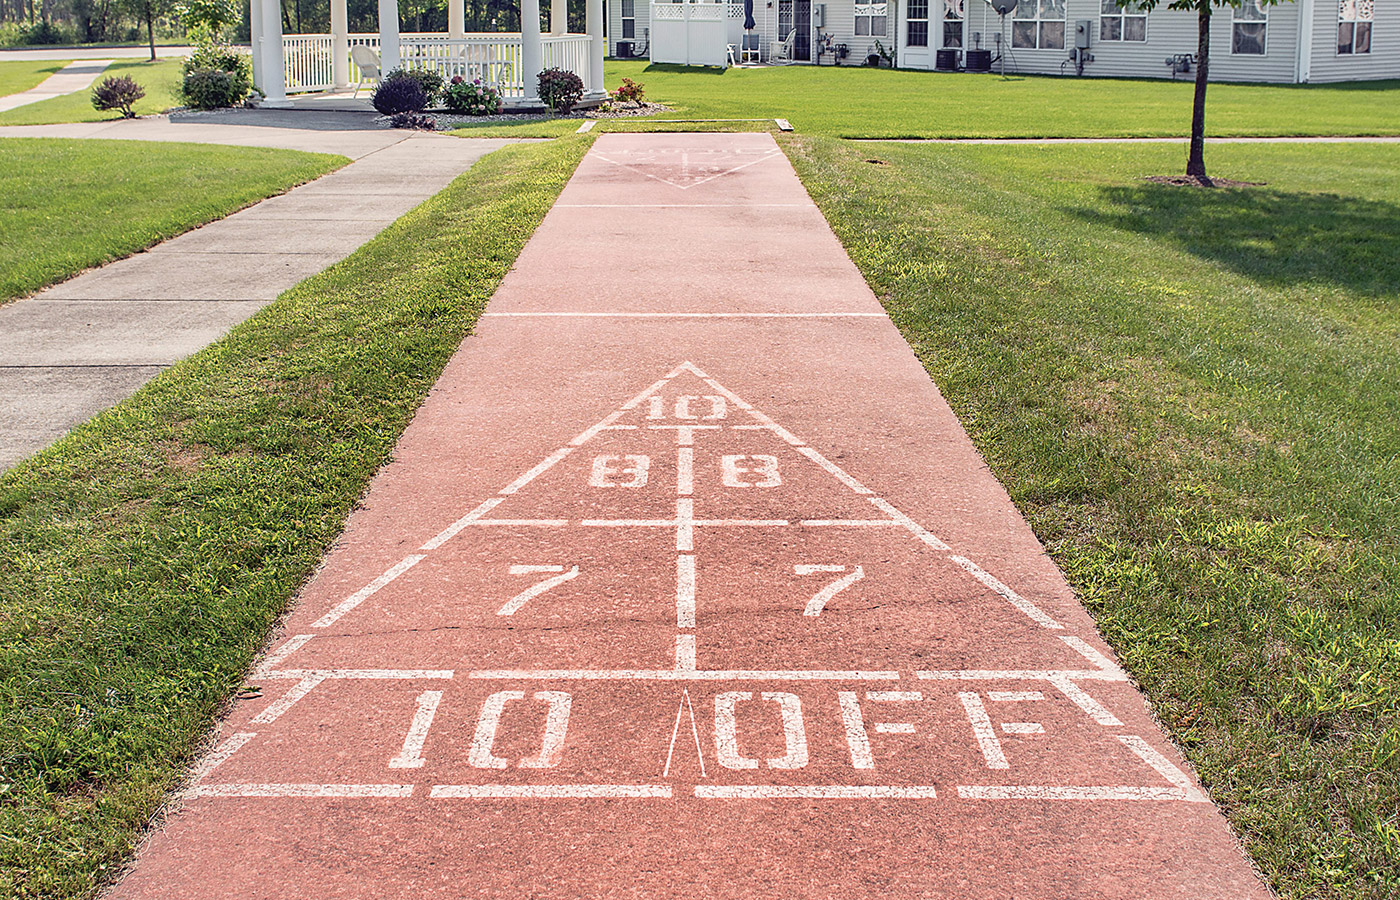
(675, 731)
(1164, 767)
(1014, 696)
(685, 653)
(850, 523)
(1022, 728)
(1080, 646)
(548, 791)
(303, 687)
(587, 126)
(856, 737)
(515, 603)
(683, 315)
(631, 404)
(275, 658)
(894, 696)
(1021, 674)
(1016, 600)
(523, 523)
(834, 469)
(411, 757)
(535, 570)
(743, 523)
(685, 524)
(545, 464)
(983, 731)
(894, 728)
(367, 591)
(814, 568)
(816, 792)
(1082, 700)
(674, 675)
(452, 530)
(340, 791)
(914, 528)
(586, 435)
(556, 726)
(365, 674)
(1032, 792)
(685, 470)
(629, 523)
(221, 754)
(685, 591)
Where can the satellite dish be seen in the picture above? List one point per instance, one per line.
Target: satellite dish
(1003, 7)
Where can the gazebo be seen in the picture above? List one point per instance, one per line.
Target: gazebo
(301, 63)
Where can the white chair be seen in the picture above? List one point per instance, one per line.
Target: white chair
(733, 53)
(783, 51)
(367, 61)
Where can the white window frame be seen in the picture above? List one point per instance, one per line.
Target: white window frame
(1236, 20)
(1130, 10)
(1362, 12)
(909, 19)
(1040, 22)
(954, 13)
(870, 13)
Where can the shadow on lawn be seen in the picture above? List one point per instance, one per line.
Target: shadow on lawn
(1274, 237)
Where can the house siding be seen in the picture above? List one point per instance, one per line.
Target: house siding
(1382, 62)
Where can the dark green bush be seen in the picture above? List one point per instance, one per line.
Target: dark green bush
(216, 77)
(117, 93)
(400, 92)
(560, 89)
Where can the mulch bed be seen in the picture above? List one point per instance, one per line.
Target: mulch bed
(1193, 181)
(448, 121)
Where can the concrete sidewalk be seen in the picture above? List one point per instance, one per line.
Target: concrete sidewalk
(76, 76)
(83, 345)
(684, 582)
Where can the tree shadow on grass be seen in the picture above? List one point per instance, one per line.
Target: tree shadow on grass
(1274, 237)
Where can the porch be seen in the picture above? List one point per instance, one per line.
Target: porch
(509, 62)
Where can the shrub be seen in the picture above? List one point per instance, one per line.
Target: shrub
(415, 120)
(117, 93)
(430, 81)
(216, 76)
(399, 92)
(471, 97)
(560, 89)
(631, 92)
(45, 33)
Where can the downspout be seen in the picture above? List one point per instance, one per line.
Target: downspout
(1306, 21)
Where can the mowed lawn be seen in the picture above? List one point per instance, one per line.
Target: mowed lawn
(67, 205)
(161, 79)
(18, 75)
(860, 102)
(1194, 396)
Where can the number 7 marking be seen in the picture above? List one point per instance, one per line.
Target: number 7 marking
(530, 593)
(815, 605)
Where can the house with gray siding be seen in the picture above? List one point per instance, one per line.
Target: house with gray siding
(1289, 43)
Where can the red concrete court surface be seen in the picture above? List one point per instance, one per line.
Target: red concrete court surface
(686, 583)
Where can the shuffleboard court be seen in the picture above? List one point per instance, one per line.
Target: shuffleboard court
(685, 582)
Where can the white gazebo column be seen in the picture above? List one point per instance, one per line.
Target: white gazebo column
(597, 46)
(340, 45)
(255, 34)
(457, 19)
(274, 69)
(388, 36)
(531, 50)
(559, 17)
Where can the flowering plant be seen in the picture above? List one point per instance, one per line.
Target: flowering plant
(630, 92)
(471, 97)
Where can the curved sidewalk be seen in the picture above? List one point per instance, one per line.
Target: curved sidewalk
(76, 76)
(83, 345)
(685, 582)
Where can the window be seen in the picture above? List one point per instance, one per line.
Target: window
(1354, 18)
(1122, 23)
(1251, 28)
(954, 11)
(1039, 25)
(918, 23)
(629, 19)
(870, 19)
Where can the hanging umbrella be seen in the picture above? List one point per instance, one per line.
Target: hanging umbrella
(749, 23)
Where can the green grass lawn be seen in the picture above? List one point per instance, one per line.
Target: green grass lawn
(18, 75)
(1194, 396)
(160, 79)
(67, 205)
(860, 102)
(148, 553)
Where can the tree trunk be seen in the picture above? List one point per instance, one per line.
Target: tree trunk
(151, 29)
(1196, 161)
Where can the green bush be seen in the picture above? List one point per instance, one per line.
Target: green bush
(471, 97)
(216, 77)
(428, 80)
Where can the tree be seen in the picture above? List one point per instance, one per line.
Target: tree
(147, 11)
(1195, 158)
(206, 20)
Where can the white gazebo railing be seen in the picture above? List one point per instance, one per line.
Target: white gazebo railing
(494, 58)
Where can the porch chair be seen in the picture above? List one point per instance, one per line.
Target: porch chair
(367, 61)
(783, 51)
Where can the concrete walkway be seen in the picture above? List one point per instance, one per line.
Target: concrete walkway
(83, 345)
(76, 76)
(93, 52)
(686, 583)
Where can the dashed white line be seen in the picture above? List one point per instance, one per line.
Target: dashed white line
(299, 690)
(675, 675)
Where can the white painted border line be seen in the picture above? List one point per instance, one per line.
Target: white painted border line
(684, 315)
(362, 674)
(1021, 675)
(276, 657)
(299, 690)
(1164, 767)
(914, 528)
(679, 675)
(549, 791)
(548, 462)
(346, 791)
(451, 531)
(368, 591)
(221, 754)
(835, 470)
(1046, 792)
(996, 586)
(815, 792)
